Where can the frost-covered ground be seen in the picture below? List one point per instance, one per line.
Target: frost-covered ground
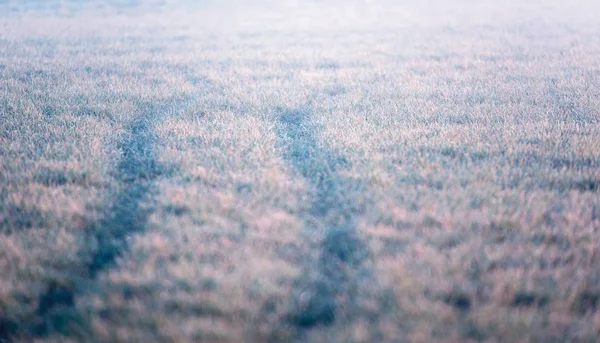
(321, 171)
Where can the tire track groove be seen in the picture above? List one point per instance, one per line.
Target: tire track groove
(106, 239)
(327, 291)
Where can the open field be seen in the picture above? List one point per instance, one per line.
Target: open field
(313, 171)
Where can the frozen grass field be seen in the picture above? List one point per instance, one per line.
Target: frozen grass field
(312, 171)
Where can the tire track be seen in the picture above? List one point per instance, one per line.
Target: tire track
(106, 239)
(136, 170)
(328, 289)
